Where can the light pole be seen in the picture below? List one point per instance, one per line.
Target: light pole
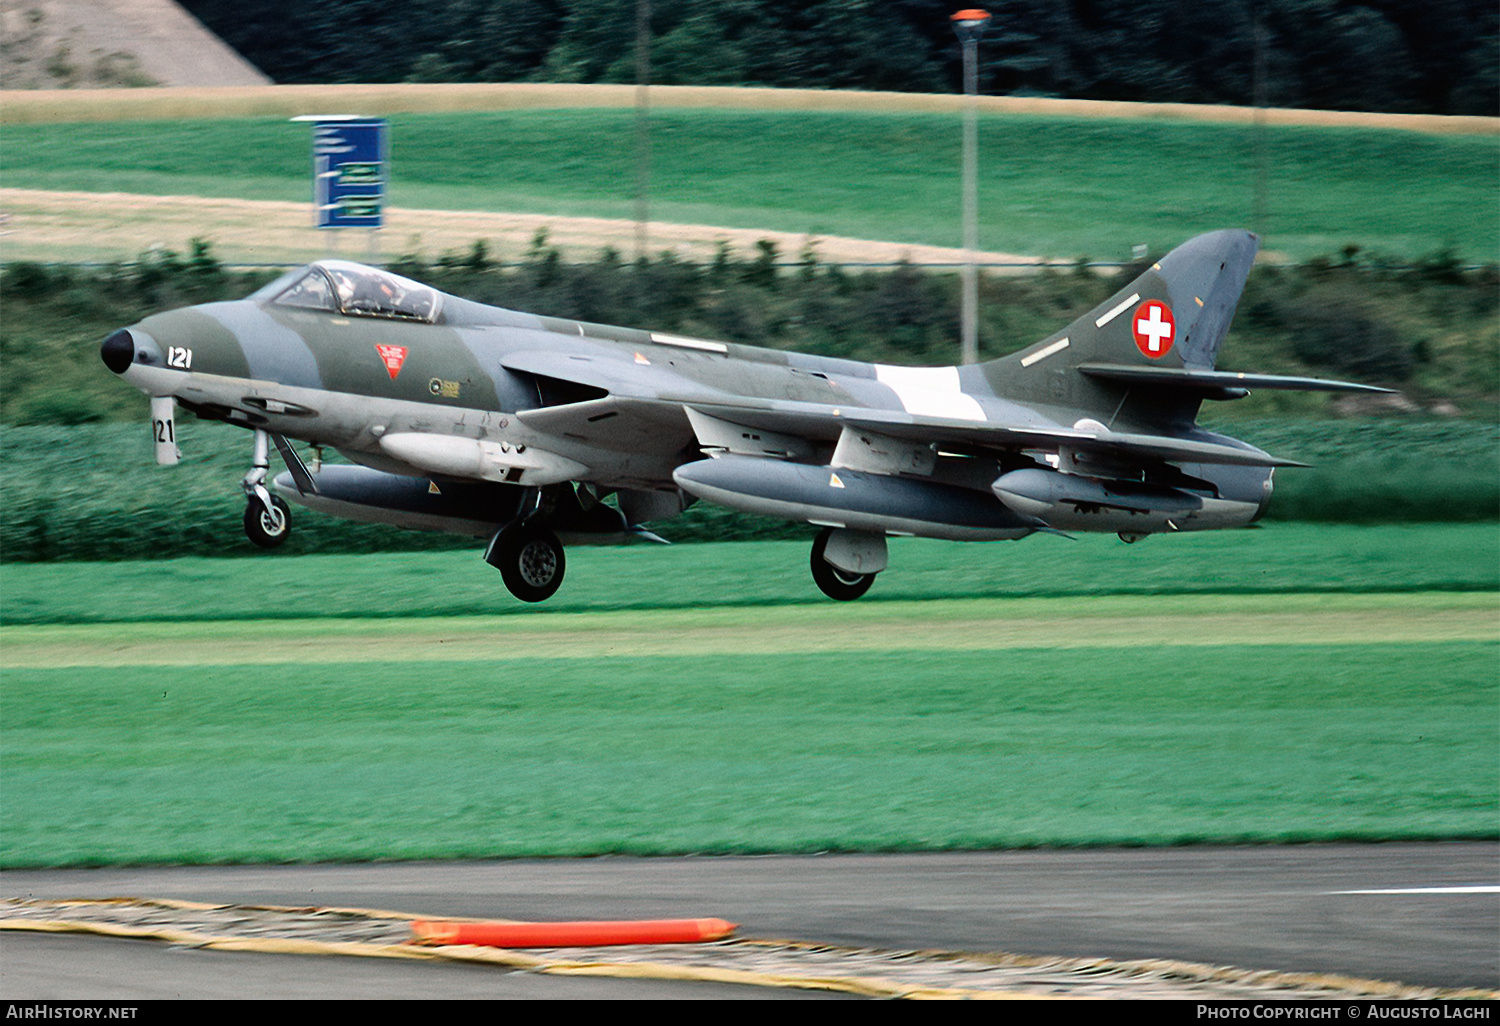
(642, 125)
(970, 26)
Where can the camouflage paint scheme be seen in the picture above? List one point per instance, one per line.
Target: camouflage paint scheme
(481, 420)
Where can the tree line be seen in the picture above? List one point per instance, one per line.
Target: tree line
(1438, 57)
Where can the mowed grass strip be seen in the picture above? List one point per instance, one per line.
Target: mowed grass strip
(1050, 186)
(725, 752)
(938, 625)
(733, 577)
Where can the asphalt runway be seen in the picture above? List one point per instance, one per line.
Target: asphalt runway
(1430, 914)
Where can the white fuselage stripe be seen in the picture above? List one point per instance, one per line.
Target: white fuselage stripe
(930, 392)
(1117, 311)
(1042, 354)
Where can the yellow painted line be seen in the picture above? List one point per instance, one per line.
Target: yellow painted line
(943, 626)
(211, 906)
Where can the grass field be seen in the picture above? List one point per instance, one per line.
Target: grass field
(1059, 187)
(193, 753)
(1280, 559)
(402, 707)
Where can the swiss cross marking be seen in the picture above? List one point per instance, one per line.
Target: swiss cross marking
(393, 357)
(1154, 328)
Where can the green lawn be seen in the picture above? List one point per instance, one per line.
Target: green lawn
(1296, 683)
(989, 723)
(1293, 683)
(1049, 186)
(1279, 559)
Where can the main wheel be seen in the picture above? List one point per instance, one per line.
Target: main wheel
(833, 582)
(266, 526)
(531, 561)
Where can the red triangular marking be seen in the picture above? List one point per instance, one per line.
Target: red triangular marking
(394, 357)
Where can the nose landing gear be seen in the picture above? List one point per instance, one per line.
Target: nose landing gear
(268, 522)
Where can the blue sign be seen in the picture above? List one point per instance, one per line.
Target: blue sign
(350, 158)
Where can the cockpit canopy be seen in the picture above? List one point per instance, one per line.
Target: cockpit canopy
(354, 290)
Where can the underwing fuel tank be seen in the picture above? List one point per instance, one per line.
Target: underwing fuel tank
(476, 509)
(1073, 502)
(840, 497)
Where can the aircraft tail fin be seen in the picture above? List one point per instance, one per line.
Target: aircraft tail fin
(1168, 322)
(1174, 315)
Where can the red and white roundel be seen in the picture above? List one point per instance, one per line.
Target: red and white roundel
(1154, 328)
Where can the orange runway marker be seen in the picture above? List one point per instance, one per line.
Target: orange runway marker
(571, 934)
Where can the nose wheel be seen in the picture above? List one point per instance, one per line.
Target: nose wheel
(268, 522)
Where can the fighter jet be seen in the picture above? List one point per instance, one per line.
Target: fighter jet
(468, 418)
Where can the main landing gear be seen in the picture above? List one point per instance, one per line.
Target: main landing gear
(530, 559)
(851, 549)
(526, 552)
(268, 522)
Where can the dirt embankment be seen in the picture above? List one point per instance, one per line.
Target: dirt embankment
(291, 100)
(77, 44)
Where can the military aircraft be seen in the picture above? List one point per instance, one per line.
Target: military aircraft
(473, 419)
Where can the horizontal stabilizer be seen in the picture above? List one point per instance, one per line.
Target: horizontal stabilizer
(1211, 381)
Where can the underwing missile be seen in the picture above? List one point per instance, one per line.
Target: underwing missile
(1073, 502)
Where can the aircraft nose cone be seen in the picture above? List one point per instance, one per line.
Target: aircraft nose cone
(118, 351)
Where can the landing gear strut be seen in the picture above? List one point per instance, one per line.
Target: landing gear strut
(268, 522)
(834, 582)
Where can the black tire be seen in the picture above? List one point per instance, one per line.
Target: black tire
(530, 560)
(833, 582)
(267, 528)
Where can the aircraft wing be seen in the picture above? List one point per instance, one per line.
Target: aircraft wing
(825, 422)
(647, 407)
